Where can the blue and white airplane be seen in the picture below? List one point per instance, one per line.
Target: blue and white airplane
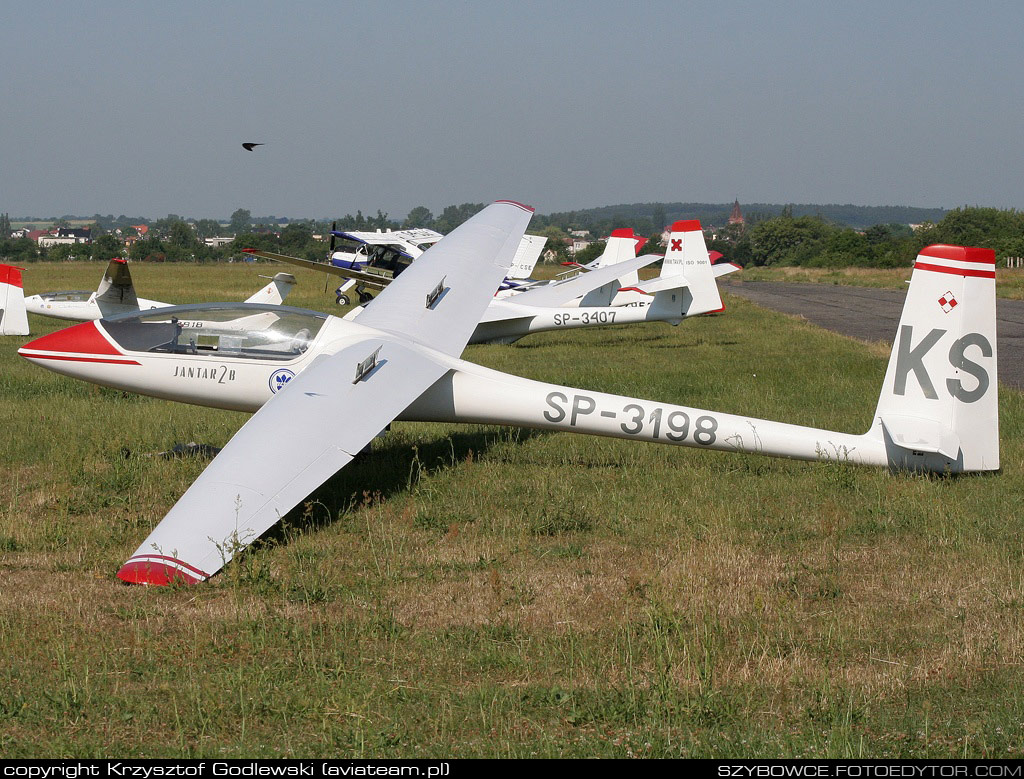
(371, 260)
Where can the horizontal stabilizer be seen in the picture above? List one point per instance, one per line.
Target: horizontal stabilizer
(562, 292)
(659, 284)
(722, 268)
(921, 435)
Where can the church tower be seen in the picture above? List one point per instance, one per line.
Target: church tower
(736, 217)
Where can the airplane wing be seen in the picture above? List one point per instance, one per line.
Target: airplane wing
(325, 416)
(116, 286)
(288, 448)
(372, 279)
(563, 291)
(420, 235)
(441, 297)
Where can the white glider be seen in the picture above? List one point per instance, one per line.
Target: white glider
(116, 295)
(324, 387)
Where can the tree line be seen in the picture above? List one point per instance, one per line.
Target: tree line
(789, 238)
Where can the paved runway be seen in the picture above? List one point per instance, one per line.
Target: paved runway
(874, 314)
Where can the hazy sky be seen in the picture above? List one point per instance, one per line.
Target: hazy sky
(141, 107)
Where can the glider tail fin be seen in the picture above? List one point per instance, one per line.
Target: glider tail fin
(116, 287)
(938, 409)
(13, 318)
(276, 291)
(620, 246)
(687, 261)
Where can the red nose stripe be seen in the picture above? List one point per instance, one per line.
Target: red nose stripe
(80, 339)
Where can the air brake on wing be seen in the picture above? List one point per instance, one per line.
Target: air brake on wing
(365, 367)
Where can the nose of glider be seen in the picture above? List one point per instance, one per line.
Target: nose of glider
(75, 342)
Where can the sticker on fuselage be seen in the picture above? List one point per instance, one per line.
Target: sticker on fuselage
(279, 378)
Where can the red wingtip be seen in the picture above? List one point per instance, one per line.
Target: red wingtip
(686, 226)
(156, 573)
(250, 251)
(119, 260)
(516, 203)
(960, 253)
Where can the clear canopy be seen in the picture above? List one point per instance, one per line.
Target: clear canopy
(72, 295)
(243, 330)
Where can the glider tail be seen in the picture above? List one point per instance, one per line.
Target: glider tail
(276, 291)
(116, 287)
(938, 409)
(687, 281)
(13, 318)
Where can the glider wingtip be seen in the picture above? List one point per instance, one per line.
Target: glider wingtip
(523, 206)
(154, 573)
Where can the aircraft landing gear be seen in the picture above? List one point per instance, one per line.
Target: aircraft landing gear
(364, 298)
(343, 300)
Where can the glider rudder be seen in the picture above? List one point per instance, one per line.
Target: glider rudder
(13, 317)
(938, 409)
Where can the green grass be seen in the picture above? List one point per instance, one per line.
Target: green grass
(476, 591)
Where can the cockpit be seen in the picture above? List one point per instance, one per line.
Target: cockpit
(66, 296)
(243, 330)
(388, 258)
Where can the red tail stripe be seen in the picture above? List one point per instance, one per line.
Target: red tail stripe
(975, 272)
(10, 275)
(686, 226)
(960, 253)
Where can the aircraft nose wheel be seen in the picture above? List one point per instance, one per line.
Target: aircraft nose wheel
(364, 298)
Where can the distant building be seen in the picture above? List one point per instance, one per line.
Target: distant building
(217, 242)
(64, 235)
(580, 242)
(736, 217)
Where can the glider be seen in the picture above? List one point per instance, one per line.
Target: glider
(323, 388)
(116, 295)
(13, 319)
(251, 146)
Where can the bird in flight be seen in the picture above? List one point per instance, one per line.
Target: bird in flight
(250, 146)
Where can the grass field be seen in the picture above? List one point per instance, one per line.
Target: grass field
(1009, 281)
(475, 591)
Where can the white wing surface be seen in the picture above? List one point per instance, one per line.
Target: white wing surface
(440, 298)
(299, 439)
(321, 419)
(563, 291)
